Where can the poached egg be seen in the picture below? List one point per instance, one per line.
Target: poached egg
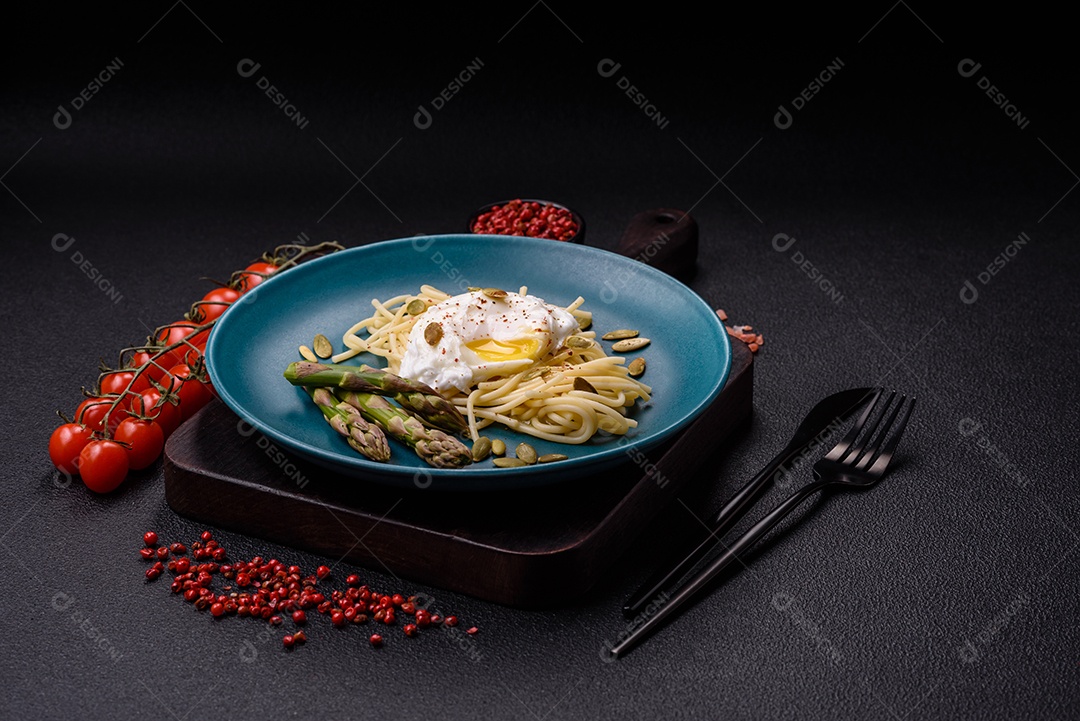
(473, 337)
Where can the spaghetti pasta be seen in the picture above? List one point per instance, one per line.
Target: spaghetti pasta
(540, 399)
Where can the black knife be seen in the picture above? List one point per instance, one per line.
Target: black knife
(828, 414)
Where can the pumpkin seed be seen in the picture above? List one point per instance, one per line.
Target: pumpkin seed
(619, 334)
(630, 344)
(415, 307)
(576, 341)
(585, 323)
(495, 293)
(498, 447)
(525, 453)
(637, 367)
(509, 462)
(580, 384)
(481, 449)
(322, 346)
(551, 457)
(308, 355)
(433, 333)
(473, 288)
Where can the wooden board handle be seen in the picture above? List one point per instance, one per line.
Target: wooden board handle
(664, 238)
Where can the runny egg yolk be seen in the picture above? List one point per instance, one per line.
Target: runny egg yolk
(493, 350)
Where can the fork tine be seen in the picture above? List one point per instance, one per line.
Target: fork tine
(873, 440)
(841, 448)
(855, 453)
(885, 456)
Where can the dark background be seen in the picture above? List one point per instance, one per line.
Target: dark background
(950, 590)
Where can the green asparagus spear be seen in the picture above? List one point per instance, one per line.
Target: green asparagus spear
(416, 397)
(434, 446)
(367, 438)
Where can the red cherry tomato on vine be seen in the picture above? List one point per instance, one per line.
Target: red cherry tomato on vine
(176, 332)
(116, 382)
(145, 441)
(103, 465)
(169, 383)
(65, 445)
(141, 358)
(91, 413)
(194, 354)
(167, 415)
(214, 304)
(193, 394)
(251, 276)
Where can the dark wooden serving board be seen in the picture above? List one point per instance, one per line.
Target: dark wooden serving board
(526, 548)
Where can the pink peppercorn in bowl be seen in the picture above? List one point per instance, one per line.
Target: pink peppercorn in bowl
(530, 218)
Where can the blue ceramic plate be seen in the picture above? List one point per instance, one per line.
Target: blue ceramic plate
(252, 343)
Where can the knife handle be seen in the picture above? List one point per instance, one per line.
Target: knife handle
(728, 516)
(713, 569)
(665, 238)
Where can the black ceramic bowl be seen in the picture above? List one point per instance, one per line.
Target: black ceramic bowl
(579, 236)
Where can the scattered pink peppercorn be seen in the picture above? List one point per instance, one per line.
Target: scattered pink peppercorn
(268, 590)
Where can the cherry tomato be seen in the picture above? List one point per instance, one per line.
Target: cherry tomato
(167, 415)
(251, 276)
(194, 354)
(117, 382)
(141, 358)
(65, 444)
(214, 304)
(103, 465)
(176, 332)
(193, 394)
(91, 413)
(169, 383)
(145, 441)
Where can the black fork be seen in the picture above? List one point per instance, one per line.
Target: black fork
(860, 459)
